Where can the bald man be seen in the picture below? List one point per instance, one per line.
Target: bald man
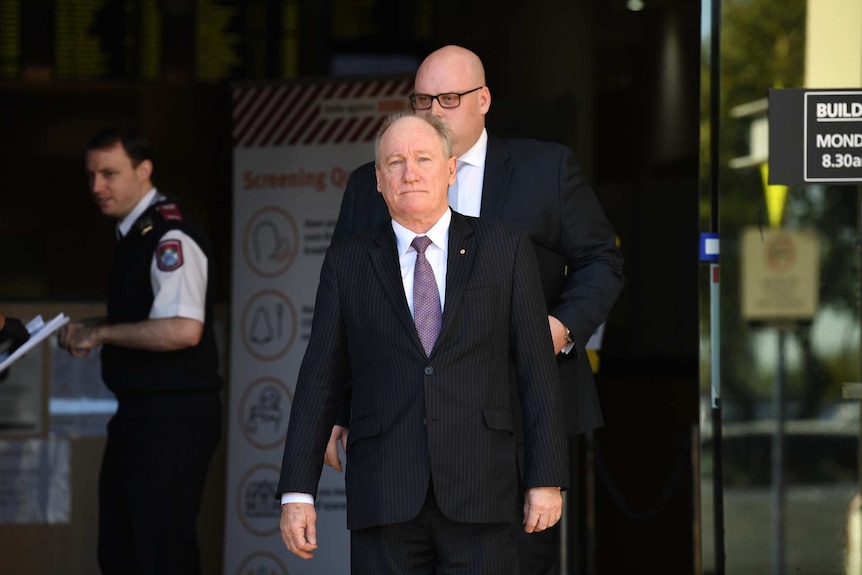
(536, 188)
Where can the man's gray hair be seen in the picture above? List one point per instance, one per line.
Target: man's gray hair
(433, 121)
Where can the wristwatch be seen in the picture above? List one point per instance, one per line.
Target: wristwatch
(568, 336)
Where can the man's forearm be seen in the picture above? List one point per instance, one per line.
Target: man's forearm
(168, 334)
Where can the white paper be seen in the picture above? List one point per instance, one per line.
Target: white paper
(39, 331)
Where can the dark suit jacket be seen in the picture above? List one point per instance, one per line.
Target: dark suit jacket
(446, 418)
(537, 188)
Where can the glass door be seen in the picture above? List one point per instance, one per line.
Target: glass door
(780, 393)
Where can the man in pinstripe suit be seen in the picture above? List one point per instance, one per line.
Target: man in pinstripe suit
(432, 482)
(536, 188)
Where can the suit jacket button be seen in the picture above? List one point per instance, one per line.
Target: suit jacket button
(429, 370)
(425, 420)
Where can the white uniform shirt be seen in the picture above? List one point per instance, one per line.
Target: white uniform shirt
(180, 292)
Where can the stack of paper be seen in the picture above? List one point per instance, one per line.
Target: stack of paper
(39, 331)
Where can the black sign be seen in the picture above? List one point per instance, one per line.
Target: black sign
(815, 136)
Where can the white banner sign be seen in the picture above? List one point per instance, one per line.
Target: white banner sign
(295, 146)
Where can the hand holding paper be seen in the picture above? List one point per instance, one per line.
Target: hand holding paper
(78, 338)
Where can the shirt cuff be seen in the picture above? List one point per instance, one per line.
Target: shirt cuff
(568, 348)
(297, 498)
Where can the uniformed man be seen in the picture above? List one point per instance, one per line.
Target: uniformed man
(159, 357)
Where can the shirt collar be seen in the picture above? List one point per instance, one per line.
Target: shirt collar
(126, 223)
(475, 156)
(438, 234)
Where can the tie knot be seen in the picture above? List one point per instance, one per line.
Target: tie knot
(420, 243)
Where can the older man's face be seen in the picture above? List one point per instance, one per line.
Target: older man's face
(414, 174)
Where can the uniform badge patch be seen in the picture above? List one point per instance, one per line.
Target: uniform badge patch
(169, 255)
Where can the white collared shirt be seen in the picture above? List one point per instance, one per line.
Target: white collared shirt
(465, 195)
(180, 292)
(436, 254)
(126, 223)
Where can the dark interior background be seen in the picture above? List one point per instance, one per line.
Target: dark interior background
(620, 87)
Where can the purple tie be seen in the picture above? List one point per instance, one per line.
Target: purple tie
(427, 314)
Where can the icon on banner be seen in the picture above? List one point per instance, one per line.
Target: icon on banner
(258, 504)
(260, 499)
(263, 411)
(269, 325)
(270, 242)
(265, 328)
(267, 410)
(262, 563)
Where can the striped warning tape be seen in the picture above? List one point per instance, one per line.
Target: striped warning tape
(316, 113)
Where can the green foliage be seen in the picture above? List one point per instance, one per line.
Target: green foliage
(762, 47)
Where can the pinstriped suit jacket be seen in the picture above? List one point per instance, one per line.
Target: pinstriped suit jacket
(446, 418)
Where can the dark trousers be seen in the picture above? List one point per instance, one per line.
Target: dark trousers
(432, 544)
(153, 473)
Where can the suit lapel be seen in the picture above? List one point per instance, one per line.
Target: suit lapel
(384, 260)
(495, 185)
(462, 250)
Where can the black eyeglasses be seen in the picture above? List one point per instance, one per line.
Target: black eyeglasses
(450, 100)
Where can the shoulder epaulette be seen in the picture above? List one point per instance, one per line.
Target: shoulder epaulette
(162, 212)
(170, 212)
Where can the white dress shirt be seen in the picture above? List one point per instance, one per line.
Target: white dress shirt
(436, 253)
(465, 195)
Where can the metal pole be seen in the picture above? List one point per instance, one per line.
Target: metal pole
(715, 163)
(715, 377)
(778, 462)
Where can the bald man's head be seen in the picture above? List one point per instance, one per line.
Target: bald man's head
(456, 70)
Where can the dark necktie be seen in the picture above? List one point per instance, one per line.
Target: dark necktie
(427, 314)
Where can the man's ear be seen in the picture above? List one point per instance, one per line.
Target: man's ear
(452, 165)
(144, 170)
(484, 100)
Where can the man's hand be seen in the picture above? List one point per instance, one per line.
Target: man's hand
(78, 338)
(339, 434)
(543, 507)
(558, 334)
(299, 529)
(15, 331)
